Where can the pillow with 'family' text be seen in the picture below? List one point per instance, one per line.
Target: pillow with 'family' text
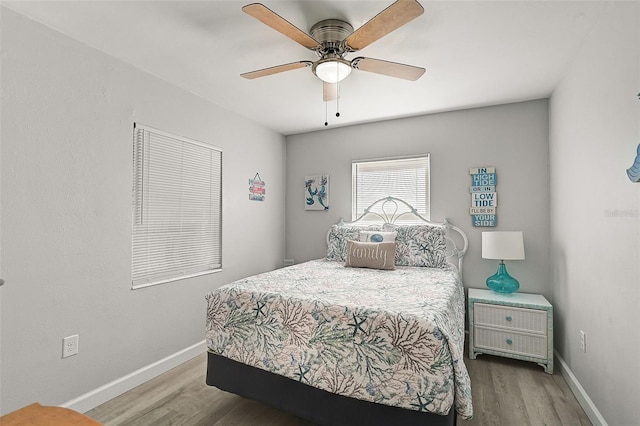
(370, 255)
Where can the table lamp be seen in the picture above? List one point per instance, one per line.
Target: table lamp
(502, 245)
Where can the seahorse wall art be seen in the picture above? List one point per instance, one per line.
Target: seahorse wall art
(634, 171)
(316, 192)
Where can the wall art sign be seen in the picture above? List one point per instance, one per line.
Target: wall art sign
(257, 188)
(484, 198)
(316, 192)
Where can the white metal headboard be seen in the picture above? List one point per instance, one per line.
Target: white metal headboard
(393, 210)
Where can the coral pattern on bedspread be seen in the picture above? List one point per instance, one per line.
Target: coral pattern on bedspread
(390, 337)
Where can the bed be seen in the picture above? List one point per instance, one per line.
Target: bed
(371, 334)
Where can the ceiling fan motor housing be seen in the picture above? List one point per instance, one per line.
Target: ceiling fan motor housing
(330, 33)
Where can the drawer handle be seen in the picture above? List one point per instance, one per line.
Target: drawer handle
(509, 318)
(509, 342)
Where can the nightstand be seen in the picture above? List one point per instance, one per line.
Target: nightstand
(516, 325)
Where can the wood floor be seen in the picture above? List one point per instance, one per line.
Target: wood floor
(505, 392)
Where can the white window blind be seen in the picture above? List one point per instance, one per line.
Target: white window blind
(404, 178)
(177, 207)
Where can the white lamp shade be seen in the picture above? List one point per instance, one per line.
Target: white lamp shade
(332, 71)
(502, 245)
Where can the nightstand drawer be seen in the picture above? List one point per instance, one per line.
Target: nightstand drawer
(521, 319)
(515, 343)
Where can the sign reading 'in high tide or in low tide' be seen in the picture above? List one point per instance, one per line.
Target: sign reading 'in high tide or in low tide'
(484, 198)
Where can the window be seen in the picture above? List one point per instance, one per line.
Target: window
(177, 208)
(405, 178)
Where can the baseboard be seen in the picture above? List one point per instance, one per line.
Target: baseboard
(104, 393)
(581, 395)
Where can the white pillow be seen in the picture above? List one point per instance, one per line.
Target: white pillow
(377, 236)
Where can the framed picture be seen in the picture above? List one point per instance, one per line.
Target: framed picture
(316, 192)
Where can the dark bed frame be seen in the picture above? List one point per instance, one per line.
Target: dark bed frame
(317, 405)
(307, 402)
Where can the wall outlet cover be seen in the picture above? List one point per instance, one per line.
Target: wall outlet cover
(70, 346)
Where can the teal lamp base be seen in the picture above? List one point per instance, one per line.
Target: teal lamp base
(502, 282)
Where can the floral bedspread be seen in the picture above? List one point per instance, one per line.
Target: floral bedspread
(390, 337)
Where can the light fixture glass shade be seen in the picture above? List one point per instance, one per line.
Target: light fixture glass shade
(502, 245)
(332, 71)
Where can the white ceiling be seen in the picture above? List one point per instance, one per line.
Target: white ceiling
(476, 53)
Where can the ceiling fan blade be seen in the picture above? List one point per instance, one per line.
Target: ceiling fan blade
(329, 91)
(278, 23)
(274, 70)
(392, 18)
(391, 69)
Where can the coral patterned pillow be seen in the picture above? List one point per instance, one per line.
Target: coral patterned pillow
(420, 245)
(338, 237)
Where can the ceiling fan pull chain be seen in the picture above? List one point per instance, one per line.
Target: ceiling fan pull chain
(326, 108)
(338, 99)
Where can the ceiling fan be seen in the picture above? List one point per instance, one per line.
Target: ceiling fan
(333, 39)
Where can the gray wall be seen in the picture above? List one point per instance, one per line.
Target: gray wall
(595, 214)
(66, 174)
(513, 138)
(65, 188)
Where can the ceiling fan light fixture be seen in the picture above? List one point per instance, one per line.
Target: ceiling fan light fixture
(332, 70)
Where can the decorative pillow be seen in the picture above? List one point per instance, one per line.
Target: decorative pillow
(338, 237)
(377, 236)
(370, 255)
(420, 245)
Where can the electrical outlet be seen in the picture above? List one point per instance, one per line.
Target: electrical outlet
(583, 341)
(70, 346)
